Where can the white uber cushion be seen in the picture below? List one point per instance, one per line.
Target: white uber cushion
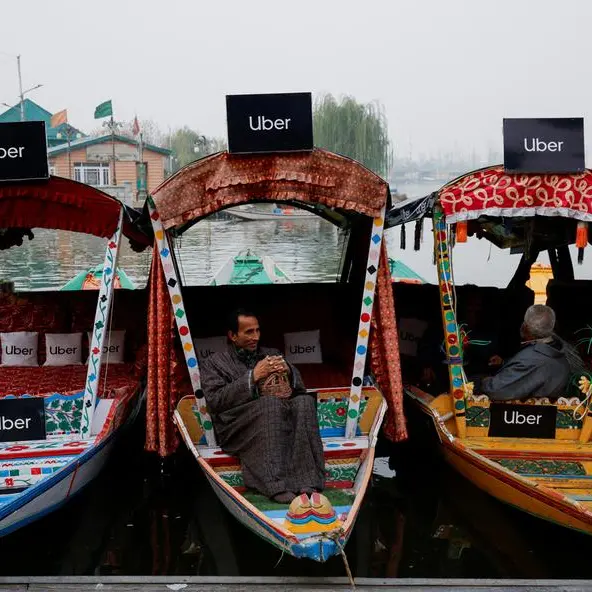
(303, 347)
(63, 349)
(19, 348)
(206, 346)
(410, 333)
(113, 346)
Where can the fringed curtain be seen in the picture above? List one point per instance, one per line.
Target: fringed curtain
(384, 353)
(167, 374)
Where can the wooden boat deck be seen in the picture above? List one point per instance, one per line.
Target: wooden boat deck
(271, 584)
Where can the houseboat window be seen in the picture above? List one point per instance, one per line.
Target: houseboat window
(97, 174)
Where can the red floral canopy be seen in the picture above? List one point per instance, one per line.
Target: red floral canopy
(62, 204)
(493, 192)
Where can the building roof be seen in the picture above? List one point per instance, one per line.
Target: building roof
(84, 142)
(33, 112)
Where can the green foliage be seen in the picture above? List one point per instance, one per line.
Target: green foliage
(357, 130)
(189, 145)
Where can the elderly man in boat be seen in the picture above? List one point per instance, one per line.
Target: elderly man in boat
(539, 369)
(263, 414)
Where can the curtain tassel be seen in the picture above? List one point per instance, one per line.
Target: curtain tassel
(461, 232)
(418, 234)
(581, 240)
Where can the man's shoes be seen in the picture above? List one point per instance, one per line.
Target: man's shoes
(285, 497)
(309, 490)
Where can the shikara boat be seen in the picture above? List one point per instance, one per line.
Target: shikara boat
(78, 409)
(250, 268)
(351, 316)
(273, 212)
(403, 273)
(546, 472)
(91, 280)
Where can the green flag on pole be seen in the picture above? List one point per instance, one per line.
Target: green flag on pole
(104, 110)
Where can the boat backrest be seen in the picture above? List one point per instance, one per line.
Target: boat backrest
(69, 312)
(567, 426)
(331, 413)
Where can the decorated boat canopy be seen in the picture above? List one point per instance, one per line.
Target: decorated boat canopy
(63, 204)
(335, 187)
(493, 192)
(316, 178)
(502, 208)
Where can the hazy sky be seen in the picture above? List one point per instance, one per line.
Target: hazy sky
(446, 71)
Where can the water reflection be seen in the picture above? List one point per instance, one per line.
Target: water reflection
(308, 251)
(140, 517)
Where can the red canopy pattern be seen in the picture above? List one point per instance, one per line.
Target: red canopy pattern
(61, 204)
(493, 192)
(224, 179)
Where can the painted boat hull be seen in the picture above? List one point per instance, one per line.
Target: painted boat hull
(57, 489)
(91, 279)
(316, 546)
(249, 268)
(514, 489)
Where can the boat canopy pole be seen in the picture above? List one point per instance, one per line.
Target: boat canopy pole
(451, 334)
(355, 392)
(178, 308)
(100, 326)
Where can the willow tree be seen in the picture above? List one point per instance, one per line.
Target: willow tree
(357, 130)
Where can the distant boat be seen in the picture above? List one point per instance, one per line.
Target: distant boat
(91, 280)
(404, 274)
(264, 212)
(248, 268)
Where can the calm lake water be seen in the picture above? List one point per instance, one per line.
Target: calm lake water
(141, 517)
(425, 522)
(307, 251)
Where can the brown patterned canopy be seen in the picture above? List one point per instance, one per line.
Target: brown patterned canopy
(224, 179)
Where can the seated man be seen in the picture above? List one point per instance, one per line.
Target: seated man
(539, 369)
(263, 414)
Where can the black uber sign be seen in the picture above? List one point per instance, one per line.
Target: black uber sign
(22, 419)
(544, 145)
(23, 151)
(269, 123)
(522, 421)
